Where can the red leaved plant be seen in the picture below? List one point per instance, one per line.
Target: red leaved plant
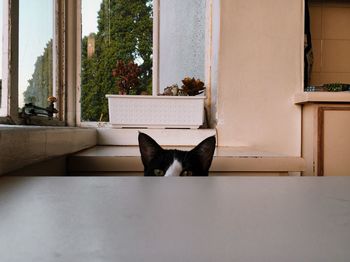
(127, 75)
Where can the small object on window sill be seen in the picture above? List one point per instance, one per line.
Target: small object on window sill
(36, 115)
(336, 87)
(172, 90)
(32, 110)
(190, 87)
(51, 108)
(331, 87)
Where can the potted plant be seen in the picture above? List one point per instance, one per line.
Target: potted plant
(177, 107)
(336, 87)
(127, 77)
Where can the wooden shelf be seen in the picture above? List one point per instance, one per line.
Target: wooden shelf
(322, 97)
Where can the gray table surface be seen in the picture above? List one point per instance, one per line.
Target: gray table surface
(174, 219)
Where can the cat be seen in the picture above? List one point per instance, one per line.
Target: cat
(171, 162)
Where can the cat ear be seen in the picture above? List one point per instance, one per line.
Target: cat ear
(204, 152)
(148, 148)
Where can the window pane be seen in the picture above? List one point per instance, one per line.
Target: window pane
(182, 41)
(114, 31)
(35, 52)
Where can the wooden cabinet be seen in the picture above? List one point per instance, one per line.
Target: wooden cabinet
(326, 139)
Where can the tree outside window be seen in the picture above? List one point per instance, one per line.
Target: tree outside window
(124, 33)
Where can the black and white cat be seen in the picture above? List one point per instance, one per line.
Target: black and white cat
(171, 162)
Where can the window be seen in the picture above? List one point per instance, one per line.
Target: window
(113, 31)
(9, 61)
(35, 52)
(28, 53)
(167, 39)
(327, 51)
(182, 41)
(45, 58)
(2, 97)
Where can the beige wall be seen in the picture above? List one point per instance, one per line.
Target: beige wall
(330, 33)
(260, 70)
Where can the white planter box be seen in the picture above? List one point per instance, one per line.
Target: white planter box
(156, 111)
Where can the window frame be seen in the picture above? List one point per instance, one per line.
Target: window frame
(67, 60)
(10, 61)
(210, 54)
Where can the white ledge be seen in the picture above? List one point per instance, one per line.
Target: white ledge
(226, 159)
(25, 145)
(322, 97)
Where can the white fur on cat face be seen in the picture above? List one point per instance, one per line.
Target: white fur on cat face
(175, 169)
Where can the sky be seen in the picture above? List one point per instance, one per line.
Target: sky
(36, 29)
(89, 16)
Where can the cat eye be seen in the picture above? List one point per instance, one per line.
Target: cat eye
(158, 172)
(186, 173)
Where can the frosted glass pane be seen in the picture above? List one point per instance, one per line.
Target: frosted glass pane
(182, 41)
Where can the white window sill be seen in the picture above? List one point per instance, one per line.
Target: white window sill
(126, 159)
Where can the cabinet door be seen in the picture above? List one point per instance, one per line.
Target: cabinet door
(334, 141)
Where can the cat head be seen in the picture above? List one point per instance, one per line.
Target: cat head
(162, 162)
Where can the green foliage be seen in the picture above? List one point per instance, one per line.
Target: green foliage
(336, 87)
(40, 85)
(124, 33)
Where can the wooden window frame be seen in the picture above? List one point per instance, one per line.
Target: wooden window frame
(9, 103)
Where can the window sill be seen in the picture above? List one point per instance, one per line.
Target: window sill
(124, 159)
(322, 97)
(25, 145)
